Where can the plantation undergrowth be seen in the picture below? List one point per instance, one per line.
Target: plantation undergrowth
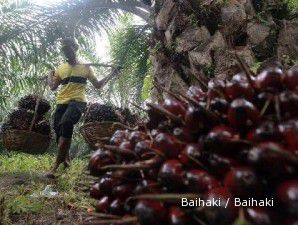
(21, 182)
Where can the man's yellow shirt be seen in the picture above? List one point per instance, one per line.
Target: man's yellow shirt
(73, 80)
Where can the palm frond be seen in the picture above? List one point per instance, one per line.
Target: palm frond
(130, 49)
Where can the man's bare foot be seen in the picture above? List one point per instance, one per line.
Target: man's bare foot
(66, 164)
(50, 175)
(52, 172)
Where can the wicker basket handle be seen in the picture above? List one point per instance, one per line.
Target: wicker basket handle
(123, 125)
(36, 107)
(86, 112)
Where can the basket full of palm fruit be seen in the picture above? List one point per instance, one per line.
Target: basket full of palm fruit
(26, 129)
(101, 121)
(225, 155)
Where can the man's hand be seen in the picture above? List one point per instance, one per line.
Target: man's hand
(52, 81)
(51, 73)
(115, 71)
(44, 78)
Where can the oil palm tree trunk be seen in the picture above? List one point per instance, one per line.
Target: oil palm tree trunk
(201, 37)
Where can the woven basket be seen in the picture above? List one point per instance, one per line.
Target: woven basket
(99, 132)
(26, 141)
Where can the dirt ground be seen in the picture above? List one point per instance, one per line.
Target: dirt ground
(57, 214)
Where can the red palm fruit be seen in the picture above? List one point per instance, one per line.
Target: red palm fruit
(270, 78)
(260, 216)
(242, 114)
(190, 153)
(95, 191)
(146, 187)
(264, 160)
(199, 181)
(151, 212)
(99, 159)
(264, 98)
(170, 175)
(267, 131)
(116, 141)
(183, 134)
(118, 137)
(178, 217)
(154, 132)
(220, 139)
(117, 207)
(175, 107)
(152, 173)
(154, 119)
(107, 183)
(121, 133)
(288, 104)
(196, 93)
(102, 205)
(216, 88)
(220, 214)
(123, 191)
(127, 175)
(290, 221)
(126, 145)
(240, 77)
(291, 80)
(198, 120)
(289, 131)
(168, 145)
(137, 136)
(143, 147)
(242, 182)
(165, 126)
(235, 89)
(220, 165)
(219, 105)
(287, 195)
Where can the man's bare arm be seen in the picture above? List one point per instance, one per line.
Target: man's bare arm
(52, 81)
(98, 84)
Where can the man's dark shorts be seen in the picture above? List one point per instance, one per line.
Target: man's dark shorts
(66, 116)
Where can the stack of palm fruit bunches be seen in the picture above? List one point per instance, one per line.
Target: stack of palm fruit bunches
(97, 112)
(22, 117)
(223, 153)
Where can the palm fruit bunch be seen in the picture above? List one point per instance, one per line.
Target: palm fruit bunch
(98, 113)
(29, 103)
(5, 126)
(235, 141)
(21, 118)
(42, 127)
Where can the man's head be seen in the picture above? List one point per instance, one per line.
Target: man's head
(69, 48)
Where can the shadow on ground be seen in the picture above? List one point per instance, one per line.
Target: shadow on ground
(11, 180)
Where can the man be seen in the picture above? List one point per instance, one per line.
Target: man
(71, 98)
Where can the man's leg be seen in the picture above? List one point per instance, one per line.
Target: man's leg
(70, 117)
(67, 160)
(58, 115)
(63, 153)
